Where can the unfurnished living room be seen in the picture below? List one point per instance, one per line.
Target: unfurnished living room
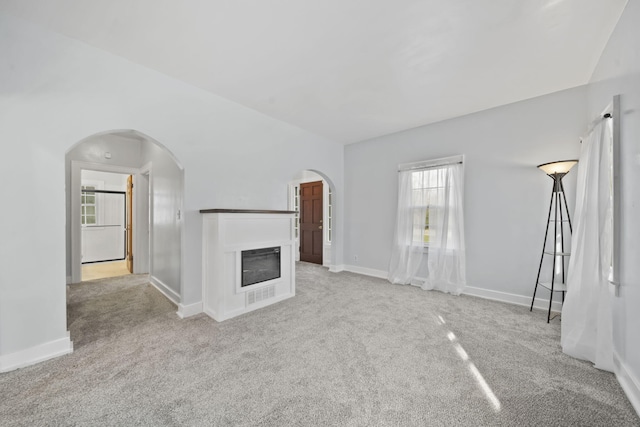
(303, 212)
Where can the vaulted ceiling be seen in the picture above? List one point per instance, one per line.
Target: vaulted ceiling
(349, 70)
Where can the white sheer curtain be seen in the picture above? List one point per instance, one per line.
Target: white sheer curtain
(408, 241)
(446, 259)
(433, 192)
(586, 313)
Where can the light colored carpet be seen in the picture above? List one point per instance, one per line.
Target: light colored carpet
(102, 270)
(347, 350)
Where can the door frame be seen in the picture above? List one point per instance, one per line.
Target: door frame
(139, 245)
(328, 246)
(142, 219)
(310, 230)
(129, 222)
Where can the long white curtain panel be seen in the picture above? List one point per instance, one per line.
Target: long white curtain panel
(430, 227)
(586, 314)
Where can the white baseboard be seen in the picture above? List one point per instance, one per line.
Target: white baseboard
(381, 274)
(172, 295)
(336, 268)
(189, 310)
(221, 317)
(524, 300)
(630, 383)
(37, 354)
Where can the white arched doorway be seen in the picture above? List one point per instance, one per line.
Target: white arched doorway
(323, 226)
(157, 203)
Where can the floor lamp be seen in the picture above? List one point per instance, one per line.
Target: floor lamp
(558, 204)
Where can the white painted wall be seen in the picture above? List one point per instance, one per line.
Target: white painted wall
(506, 197)
(618, 73)
(56, 92)
(166, 186)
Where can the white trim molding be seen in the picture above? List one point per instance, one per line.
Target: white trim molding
(381, 274)
(336, 268)
(171, 295)
(522, 300)
(189, 310)
(36, 354)
(629, 383)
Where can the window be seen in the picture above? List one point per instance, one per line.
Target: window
(430, 213)
(427, 188)
(88, 206)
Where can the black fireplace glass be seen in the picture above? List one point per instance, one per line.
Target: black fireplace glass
(260, 265)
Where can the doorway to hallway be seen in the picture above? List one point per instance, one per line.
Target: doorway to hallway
(106, 223)
(311, 196)
(311, 217)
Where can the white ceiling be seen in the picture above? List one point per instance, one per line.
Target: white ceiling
(349, 69)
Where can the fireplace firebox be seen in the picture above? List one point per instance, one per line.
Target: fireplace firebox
(260, 265)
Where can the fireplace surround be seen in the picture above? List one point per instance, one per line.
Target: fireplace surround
(248, 260)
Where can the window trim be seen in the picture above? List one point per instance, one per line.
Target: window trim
(432, 163)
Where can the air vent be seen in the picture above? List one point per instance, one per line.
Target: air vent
(261, 294)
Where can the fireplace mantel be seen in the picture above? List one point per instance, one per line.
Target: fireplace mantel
(226, 233)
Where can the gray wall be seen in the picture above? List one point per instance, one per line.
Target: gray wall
(506, 197)
(618, 73)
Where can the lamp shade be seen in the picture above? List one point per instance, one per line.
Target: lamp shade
(561, 166)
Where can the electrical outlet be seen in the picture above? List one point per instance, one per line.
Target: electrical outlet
(355, 257)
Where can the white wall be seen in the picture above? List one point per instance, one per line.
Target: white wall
(55, 92)
(618, 73)
(166, 187)
(506, 197)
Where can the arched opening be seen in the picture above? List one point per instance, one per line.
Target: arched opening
(156, 238)
(312, 196)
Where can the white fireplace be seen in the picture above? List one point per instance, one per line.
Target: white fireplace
(248, 260)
